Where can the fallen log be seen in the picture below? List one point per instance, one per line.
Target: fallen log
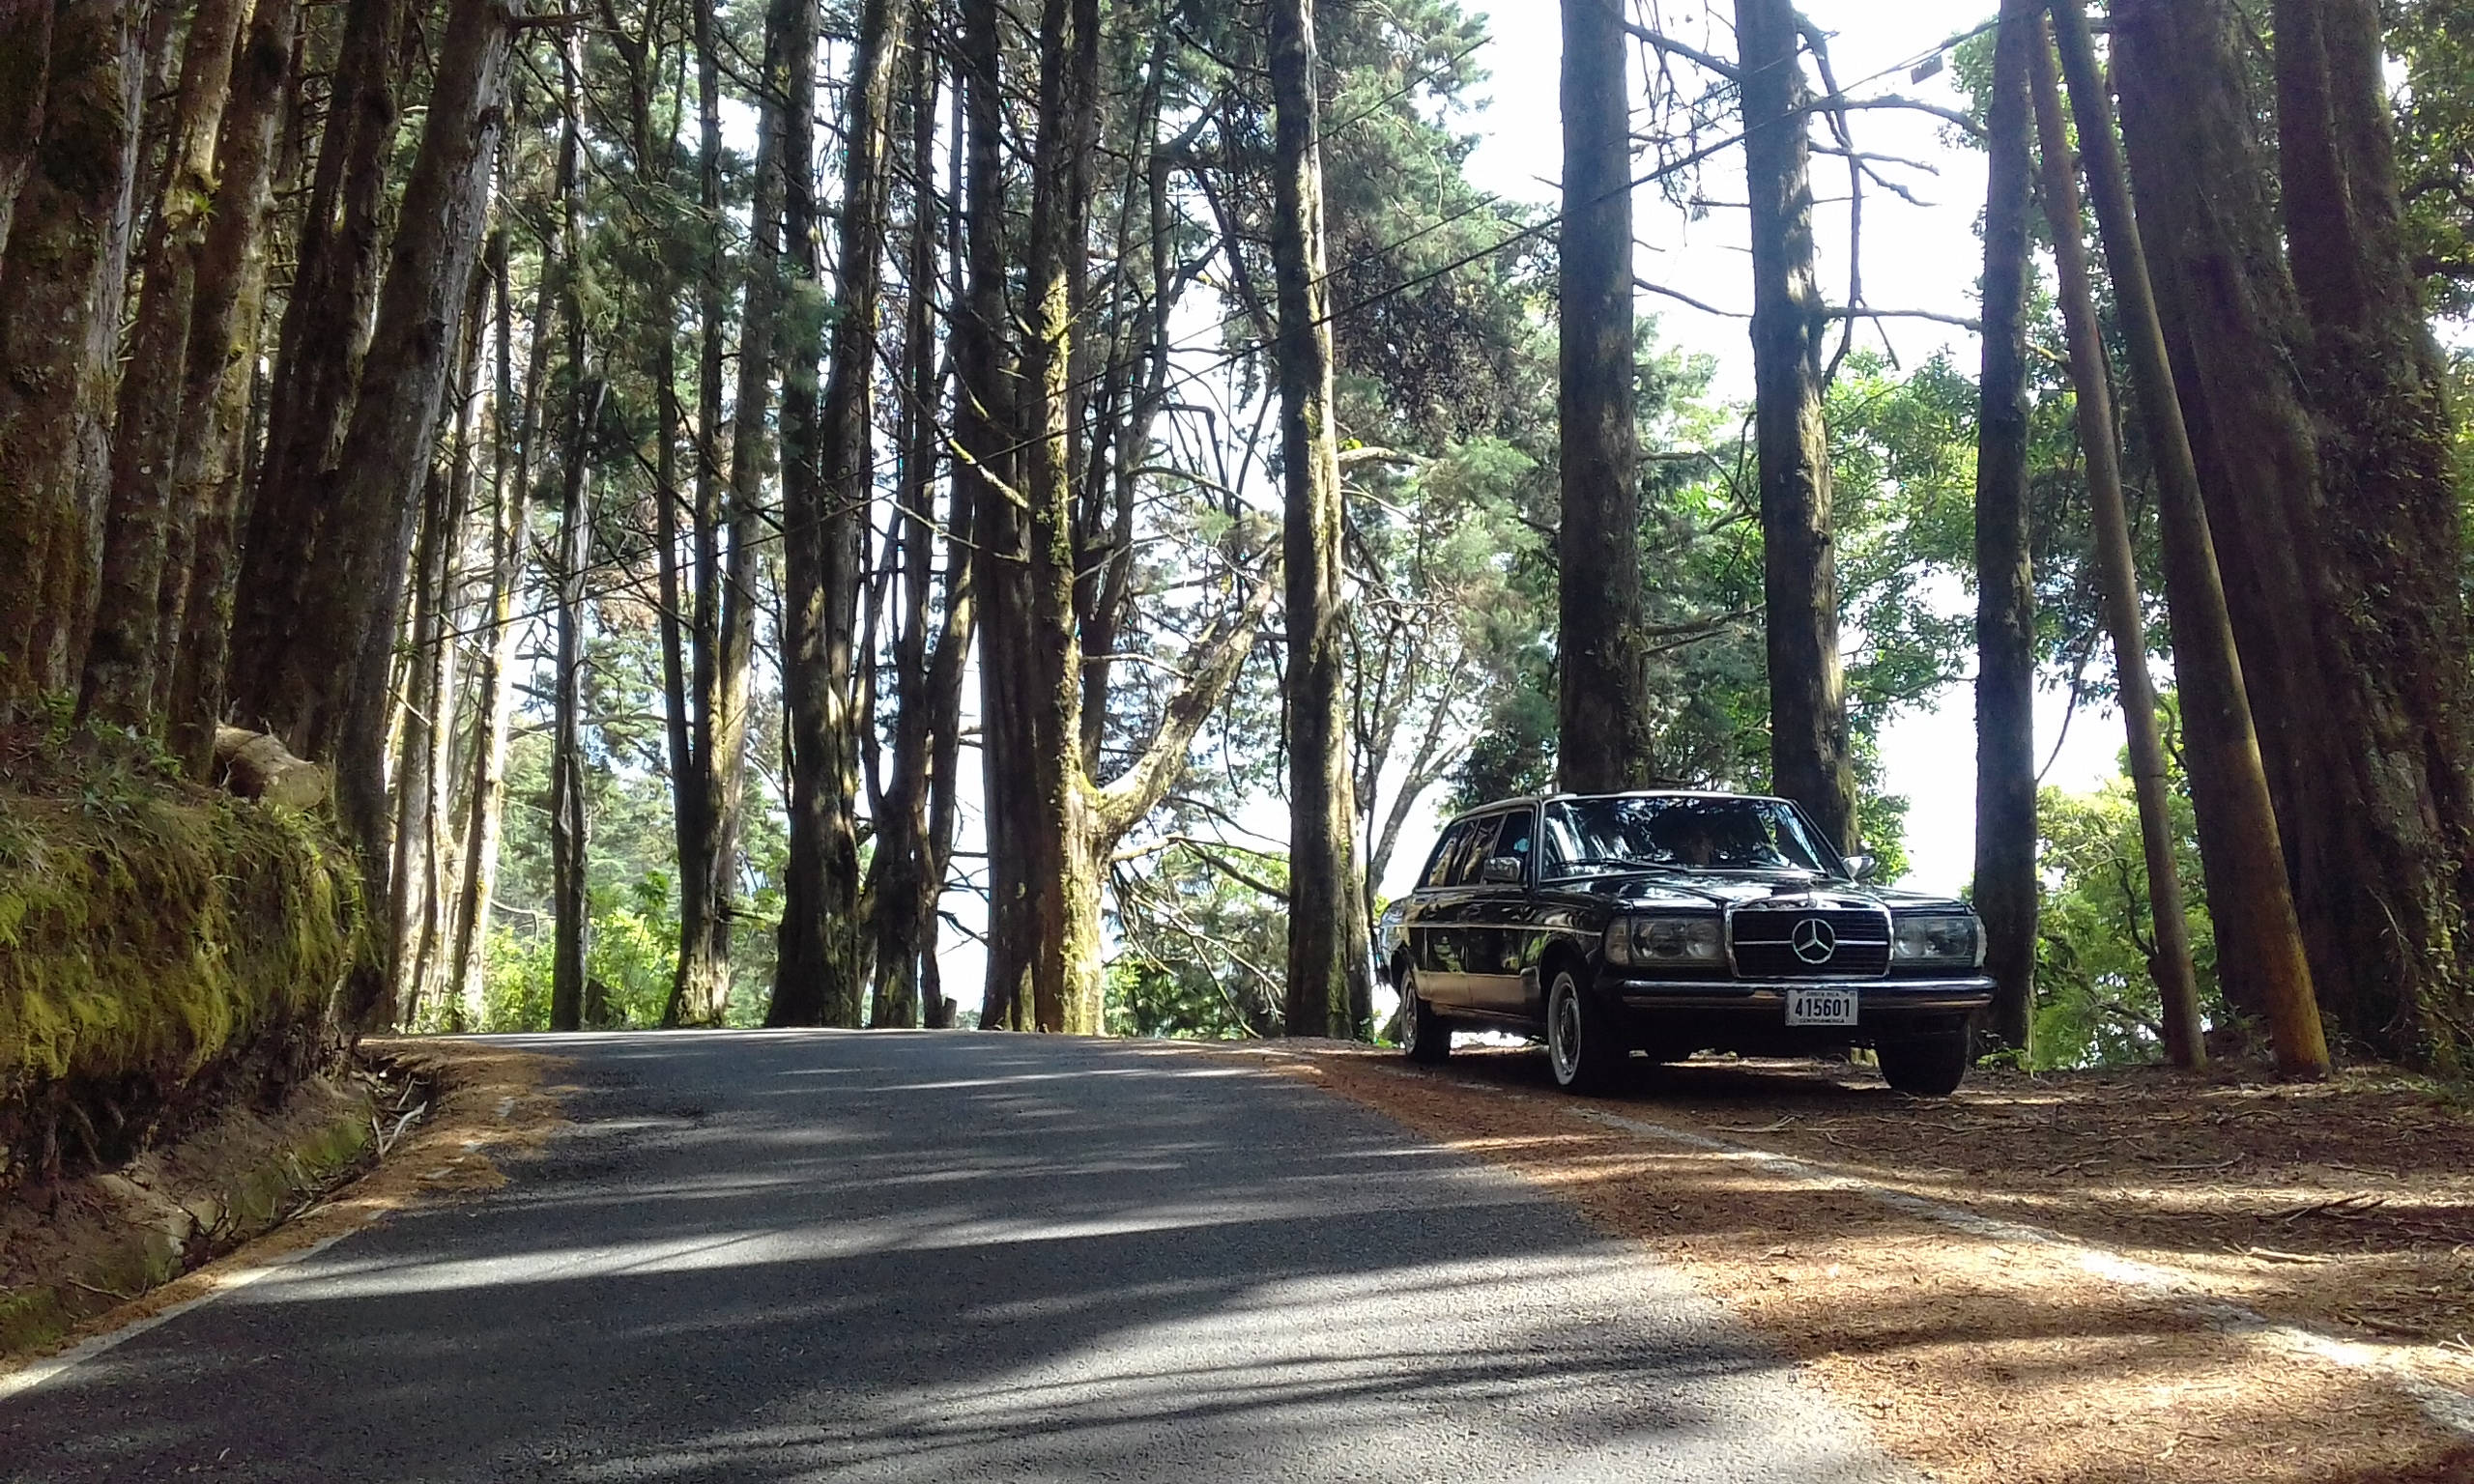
(256, 766)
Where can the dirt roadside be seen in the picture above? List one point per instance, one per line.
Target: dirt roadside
(2073, 1280)
(483, 1104)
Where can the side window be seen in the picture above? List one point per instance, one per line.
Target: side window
(1514, 841)
(1439, 865)
(1473, 855)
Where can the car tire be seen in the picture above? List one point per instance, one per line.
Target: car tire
(1425, 1037)
(1584, 1050)
(1928, 1065)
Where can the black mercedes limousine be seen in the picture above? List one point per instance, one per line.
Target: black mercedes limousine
(1670, 923)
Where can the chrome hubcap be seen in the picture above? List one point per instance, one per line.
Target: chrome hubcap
(1563, 1034)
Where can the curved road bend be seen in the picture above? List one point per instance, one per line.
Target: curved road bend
(944, 1257)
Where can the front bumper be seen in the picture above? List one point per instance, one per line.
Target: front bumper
(1894, 998)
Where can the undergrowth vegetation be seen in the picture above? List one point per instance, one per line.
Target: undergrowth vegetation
(162, 946)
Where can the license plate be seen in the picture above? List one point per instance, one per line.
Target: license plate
(1820, 1007)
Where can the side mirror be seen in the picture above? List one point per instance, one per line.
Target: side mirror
(1860, 866)
(1500, 871)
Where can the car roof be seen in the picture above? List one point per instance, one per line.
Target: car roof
(1534, 799)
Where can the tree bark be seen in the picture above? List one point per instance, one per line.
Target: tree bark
(1810, 758)
(571, 909)
(1061, 882)
(124, 666)
(2171, 964)
(904, 890)
(25, 71)
(1329, 985)
(289, 667)
(2005, 613)
(987, 473)
(1601, 710)
(2237, 824)
(827, 496)
(218, 368)
(2392, 607)
(62, 283)
(387, 447)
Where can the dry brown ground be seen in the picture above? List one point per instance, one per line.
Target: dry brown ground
(487, 1100)
(2340, 1214)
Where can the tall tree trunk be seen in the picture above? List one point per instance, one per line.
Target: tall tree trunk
(218, 368)
(2237, 823)
(429, 682)
(571, 916)
(25, 71)
(988, 473)
(828, 493)
(904, 892)
(1329, 985)
(387, 448)
(1810, 758)
(2392, 607)
(2005, 613)
(2171, 964)
(1061, 882)
(287, 666)
(62, 283)
(700, 991)
(125, 668)
(1601, 713)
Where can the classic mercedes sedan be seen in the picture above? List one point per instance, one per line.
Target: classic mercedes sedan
(1670, 922)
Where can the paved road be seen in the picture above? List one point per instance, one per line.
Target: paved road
(801, 1255)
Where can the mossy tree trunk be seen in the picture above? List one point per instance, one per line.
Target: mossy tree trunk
(1330, 992)
(291, 652)
(2393, 608)
(124, 665)
(61, 281)
(216, 370)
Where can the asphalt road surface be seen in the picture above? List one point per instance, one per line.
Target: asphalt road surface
(949, 1257)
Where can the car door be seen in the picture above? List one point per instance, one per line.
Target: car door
(1448, 916)
(1499, 920)
(1430, 923)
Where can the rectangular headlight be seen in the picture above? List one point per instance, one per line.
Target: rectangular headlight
(1946, 939)
(1664, 942)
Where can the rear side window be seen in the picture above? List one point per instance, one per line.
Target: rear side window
(1439, 866)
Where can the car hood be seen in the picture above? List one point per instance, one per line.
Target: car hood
(1717, 890)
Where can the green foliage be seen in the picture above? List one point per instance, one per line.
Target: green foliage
(2096, 998)
(1200, 953)
(2434, 41)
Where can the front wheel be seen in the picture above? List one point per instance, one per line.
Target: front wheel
(1928, 1065)
(1425, 1038)
(1585, 1051)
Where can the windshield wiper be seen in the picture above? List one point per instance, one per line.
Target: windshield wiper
(1619, 861)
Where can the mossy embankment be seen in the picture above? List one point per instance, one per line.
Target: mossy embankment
(167, 950)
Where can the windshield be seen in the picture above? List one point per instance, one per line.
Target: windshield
(1688, 832)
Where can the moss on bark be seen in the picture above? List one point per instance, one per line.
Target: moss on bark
(164, 948)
